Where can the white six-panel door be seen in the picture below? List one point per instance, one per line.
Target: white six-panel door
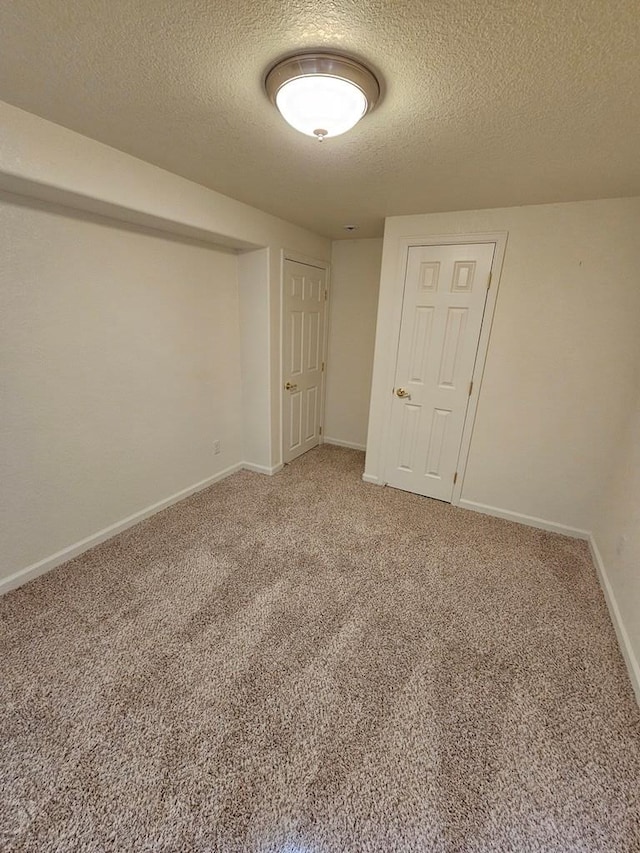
(444, 298)
(302, 342)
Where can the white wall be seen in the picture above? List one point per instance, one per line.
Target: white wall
(253, 276)
(616, 534)
(46, 161)
(355, 281)
(562, 356)
(120, 353)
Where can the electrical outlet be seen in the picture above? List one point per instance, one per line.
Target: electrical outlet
(216, 447)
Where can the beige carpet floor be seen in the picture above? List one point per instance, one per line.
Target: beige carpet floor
(309, 664)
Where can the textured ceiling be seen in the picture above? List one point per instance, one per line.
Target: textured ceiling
(486, 103)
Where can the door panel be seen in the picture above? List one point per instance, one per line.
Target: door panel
(313, 414)
(303, 336)
(444, 297)
(297, 338)
(453, 344)
(408, 436)
(313, 340)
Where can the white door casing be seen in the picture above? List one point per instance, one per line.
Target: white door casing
(303, 304)
(445, 292)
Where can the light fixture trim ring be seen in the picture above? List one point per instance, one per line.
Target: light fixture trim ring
(323, 65)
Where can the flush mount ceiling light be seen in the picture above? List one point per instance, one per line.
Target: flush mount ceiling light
(322, 94)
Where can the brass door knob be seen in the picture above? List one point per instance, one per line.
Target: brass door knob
(400, 392)
(290, 386)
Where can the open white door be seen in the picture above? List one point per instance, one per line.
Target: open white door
(445, 291)
(302, 368)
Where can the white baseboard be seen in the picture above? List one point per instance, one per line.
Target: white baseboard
(262, 469)
(529, 520)
(633, 665)
(371, 478)
(33, 571)
(340, 443)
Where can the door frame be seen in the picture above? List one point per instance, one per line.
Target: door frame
(296, 257)
(403, 244)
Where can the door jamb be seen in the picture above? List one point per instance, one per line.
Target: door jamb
(296, 257)
(499, 238)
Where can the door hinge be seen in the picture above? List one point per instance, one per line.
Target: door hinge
(489, 282)
(322, 367)
(470, 387)
(455, 477)
(325, 296)
(319, 430)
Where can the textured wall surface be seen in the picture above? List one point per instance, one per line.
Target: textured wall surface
(355, 281)
(486, 104)
(121, 365)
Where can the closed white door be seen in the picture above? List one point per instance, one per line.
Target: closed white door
(302, 366)
(445, 292)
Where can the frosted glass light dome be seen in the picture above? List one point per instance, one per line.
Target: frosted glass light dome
(321, 106)
(322, 95)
